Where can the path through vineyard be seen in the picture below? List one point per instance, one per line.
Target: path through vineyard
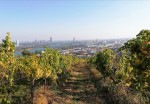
(79, 89)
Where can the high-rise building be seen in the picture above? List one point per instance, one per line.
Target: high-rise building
(17, 42)
(74, 39)
(51, 39)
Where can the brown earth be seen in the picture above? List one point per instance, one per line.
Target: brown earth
(79, 89)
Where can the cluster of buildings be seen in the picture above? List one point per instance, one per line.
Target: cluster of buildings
(85, 48)
(90, 48)
(80, 52)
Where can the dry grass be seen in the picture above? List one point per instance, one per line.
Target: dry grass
(47, 96)
(116, 94)
(42, 97)
(95, 73)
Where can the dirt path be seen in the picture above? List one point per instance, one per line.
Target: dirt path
(79, 89)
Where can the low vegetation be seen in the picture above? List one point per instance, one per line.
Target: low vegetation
(124, 76)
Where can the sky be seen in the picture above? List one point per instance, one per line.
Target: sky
(29, 20)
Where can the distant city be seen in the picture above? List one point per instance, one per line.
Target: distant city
(84, 48)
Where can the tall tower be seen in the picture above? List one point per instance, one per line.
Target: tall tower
(74, 39)
(51, 39)
(17, 42)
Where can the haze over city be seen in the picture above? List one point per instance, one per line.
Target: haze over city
(84, 19)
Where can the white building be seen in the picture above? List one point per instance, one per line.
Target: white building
(17, 43)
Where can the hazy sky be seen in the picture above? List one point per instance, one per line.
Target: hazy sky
(28, 20)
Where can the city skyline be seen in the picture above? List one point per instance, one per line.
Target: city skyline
(63, 20)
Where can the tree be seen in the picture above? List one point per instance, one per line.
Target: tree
(105, 61)
(7, 68)
(26, 53)
(124, 70)
(7, 45)
(138, 50)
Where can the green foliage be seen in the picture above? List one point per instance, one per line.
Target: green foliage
(131, 65)
(105, 61)
(7, 45)
(7, 69)
(124, 70)
(92, 61)
(128, 68)
(26, 53)
(138, 50)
